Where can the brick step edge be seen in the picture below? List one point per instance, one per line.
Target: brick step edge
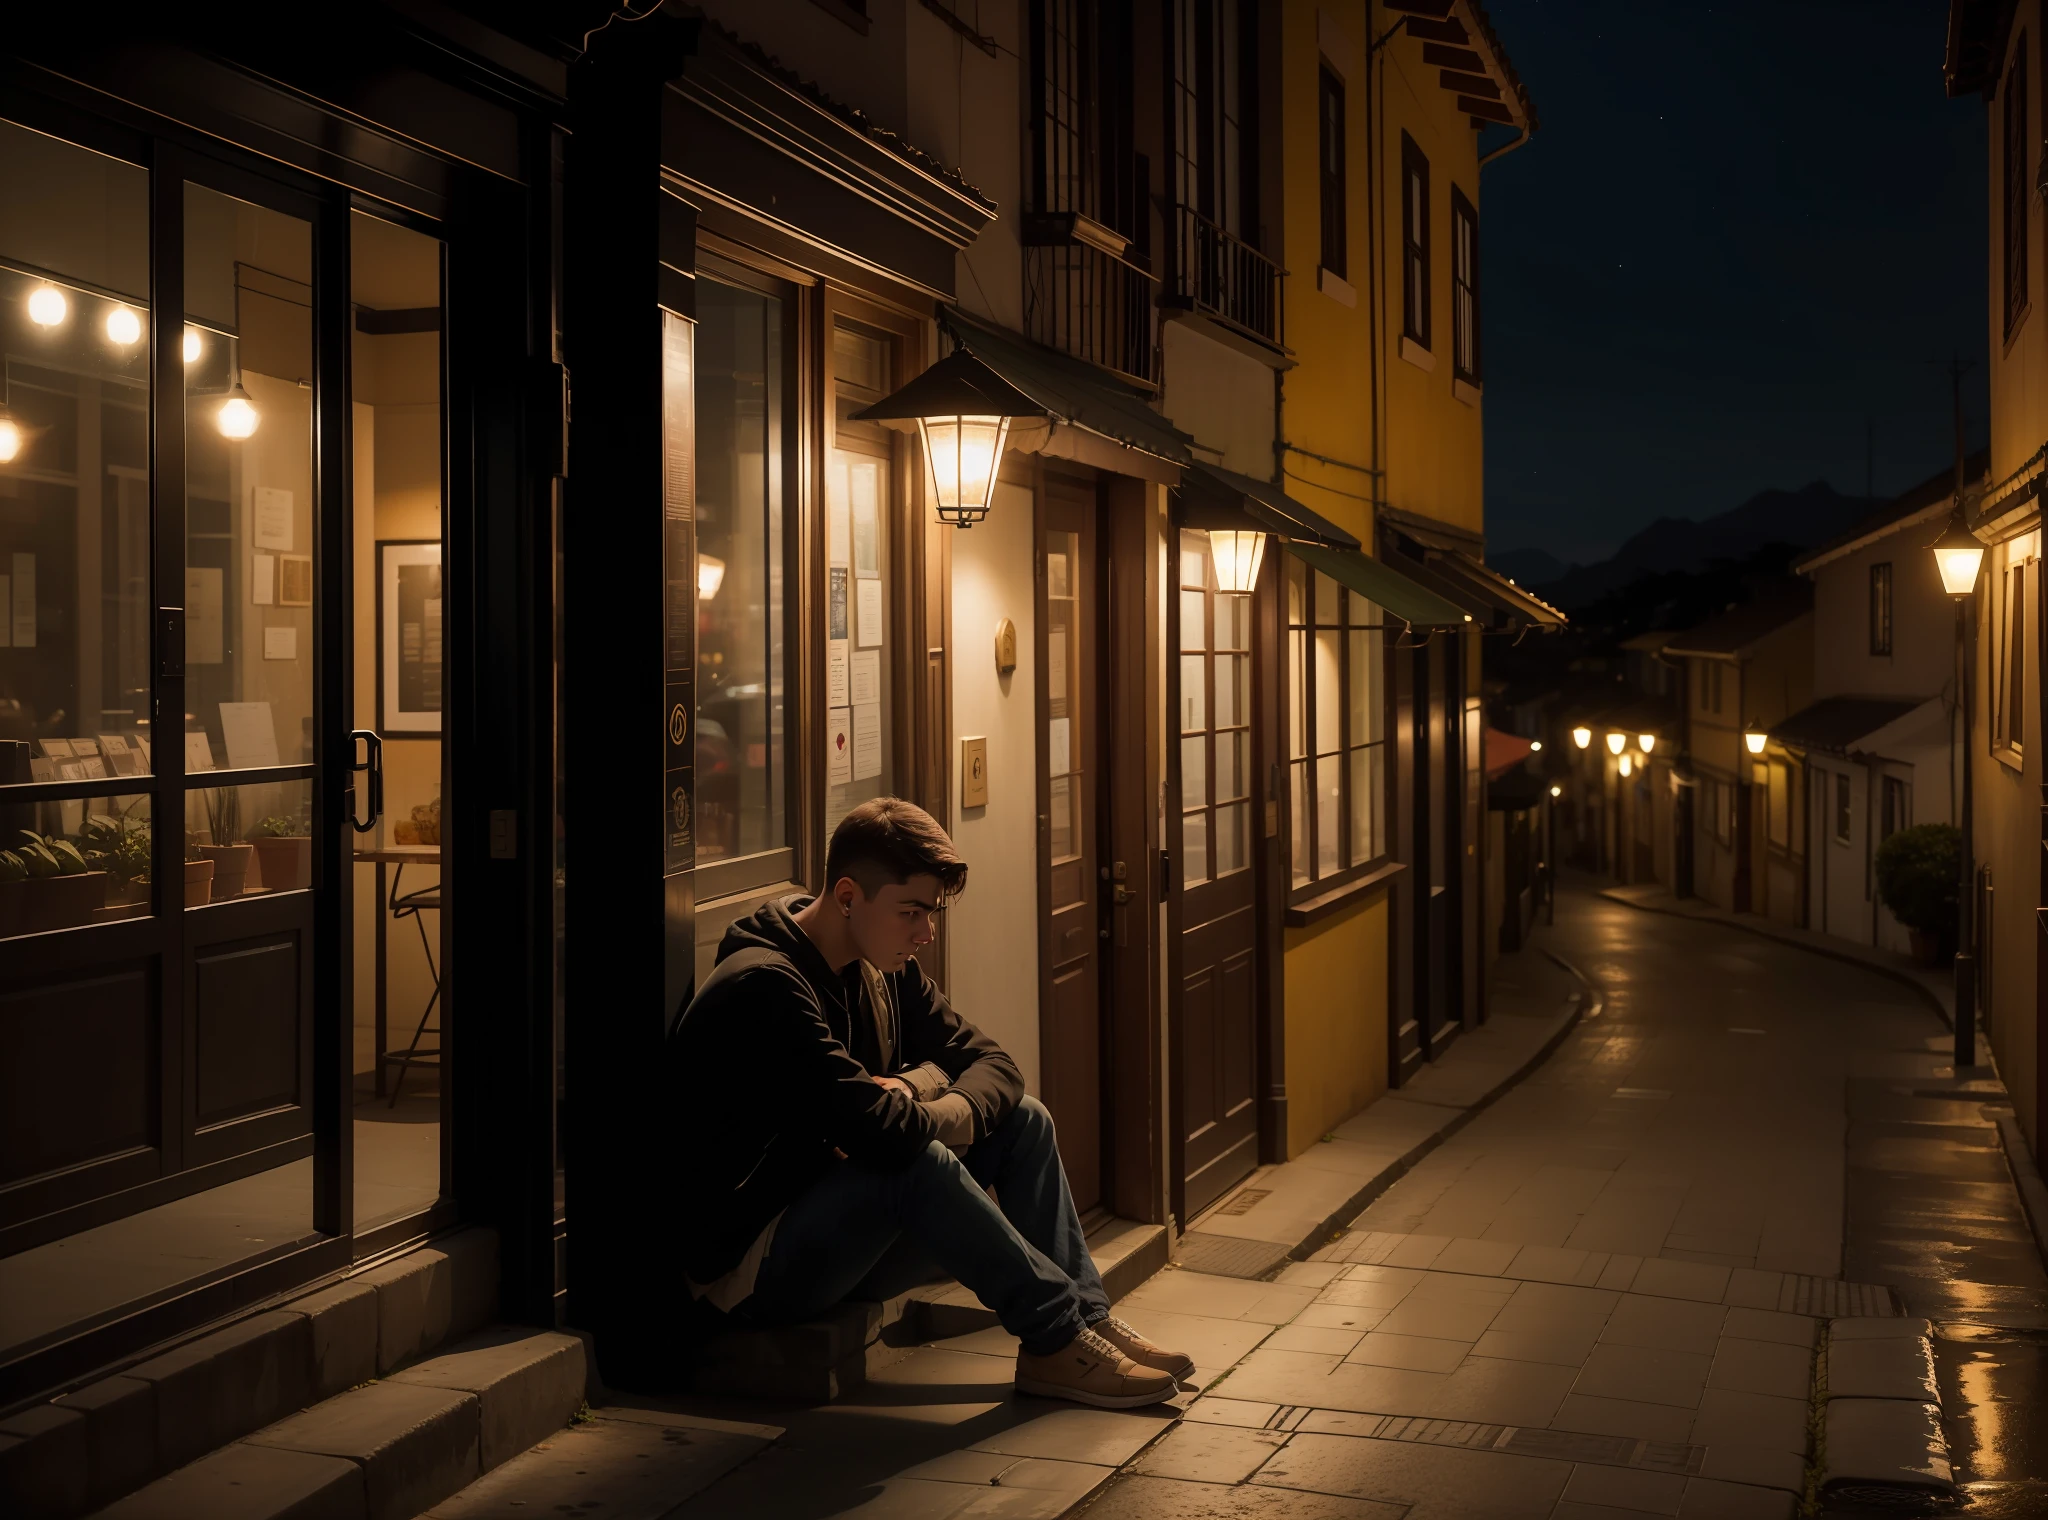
(388, 1449)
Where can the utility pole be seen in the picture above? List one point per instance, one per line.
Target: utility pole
(1966, 659)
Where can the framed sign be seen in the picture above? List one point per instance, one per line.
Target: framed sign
(409, 638)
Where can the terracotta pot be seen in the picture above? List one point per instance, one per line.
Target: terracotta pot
(13, 899)
(285, 864)
(198, 883)
(63, 902)
(230, 868)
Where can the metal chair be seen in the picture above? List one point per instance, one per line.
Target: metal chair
(411, 905)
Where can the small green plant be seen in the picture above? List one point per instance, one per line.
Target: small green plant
(118, 844)
(280, 826)
(1916, 876)
(12, 867)
(50, 855)
(223, 814)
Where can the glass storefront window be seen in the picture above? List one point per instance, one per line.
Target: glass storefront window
(858, 584)
(1215, 719)
(741, 745)
(1336, 754)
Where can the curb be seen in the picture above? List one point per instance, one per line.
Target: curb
(1588, 1006)
(1892, 973)
(2026, 1177)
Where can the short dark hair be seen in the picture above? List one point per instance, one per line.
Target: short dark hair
(886, 839)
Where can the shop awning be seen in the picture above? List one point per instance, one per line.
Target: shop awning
(1397, 594)
(1504, 751)
(1503, 596)
(1218, 498)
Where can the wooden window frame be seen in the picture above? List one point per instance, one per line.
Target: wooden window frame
(1212, 732)
(1895, 810)
(1881, 609)
(2009, 661)
(1335, 245)
(1466, 361)
(2016, 202)
(1415, 292)
(1843, 806)
(1299, 689)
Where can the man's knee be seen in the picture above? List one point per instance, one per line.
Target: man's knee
(1031, 1119)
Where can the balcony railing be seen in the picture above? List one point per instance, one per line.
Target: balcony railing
(1087, 301)
(1225, 278)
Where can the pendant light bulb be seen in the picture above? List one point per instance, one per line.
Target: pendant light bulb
(47, 306)
(1582, 736)
(124, 328)
(193, 346)
(1616, 743)
(1647, 741)
(238, 415)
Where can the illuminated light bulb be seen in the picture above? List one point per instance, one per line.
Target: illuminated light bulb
(964, 453)
(1754, 739)
(1236, 554)
(1582, 736)
(123, 327)
(1647, 741)
(238, 415)
(710, 575)
(1957, 555)
(11, 438)
(1616, 743)
(1556, 791)
(47, 306)
(1535, 746)
(193, 347)
(1626, 766)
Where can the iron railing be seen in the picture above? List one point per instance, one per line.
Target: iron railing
(1224, 277)
(1087, 302)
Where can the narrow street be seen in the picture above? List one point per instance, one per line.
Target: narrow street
(1599, 1298)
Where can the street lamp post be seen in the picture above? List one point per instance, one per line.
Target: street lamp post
(1959, 555)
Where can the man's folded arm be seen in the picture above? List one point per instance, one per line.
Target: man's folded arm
(819, 1081)
(936, 1036)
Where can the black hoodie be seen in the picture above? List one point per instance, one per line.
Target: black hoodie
(771, 1068)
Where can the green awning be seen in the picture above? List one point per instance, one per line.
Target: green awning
(1400, 597)
(1212, 497)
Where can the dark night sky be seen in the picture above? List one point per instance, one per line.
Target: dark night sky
(1742, 230)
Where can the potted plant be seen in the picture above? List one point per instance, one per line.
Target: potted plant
(1916, 878)
(284, 852)
(120, 846)
(13, 892)
(63, 890)
(230, 858)
(198, 873)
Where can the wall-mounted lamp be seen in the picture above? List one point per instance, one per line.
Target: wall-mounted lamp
(1646, 742)
(963, 410)
(47, 306)
(1754, 738)
(1582, 736)
(1237, 554)
(1616, 743)
(1957, 554)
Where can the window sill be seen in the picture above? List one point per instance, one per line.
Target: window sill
(2009, 757)
(1417, 355)
(1336, 287)
(1314, 910)
(1467, 391)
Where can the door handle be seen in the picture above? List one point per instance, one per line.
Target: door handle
(372, 762)
(1121, 895)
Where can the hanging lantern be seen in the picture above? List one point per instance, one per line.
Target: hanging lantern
(11, 436)
(1582, 736)
(1237, 554)
(238, 416)
(963, 410)
(1616, 743)
(1957, 555)
(1755, 737)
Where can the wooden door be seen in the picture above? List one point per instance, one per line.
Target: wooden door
(1435, 800)
(1218, 1024)
(1073, 797)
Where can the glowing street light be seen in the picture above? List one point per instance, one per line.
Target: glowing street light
(1582, 736)
(1648, 742)
(1616, 743)
(1754, 738)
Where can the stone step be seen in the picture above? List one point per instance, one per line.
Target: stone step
(822, 1359)
(89, 1447)
(390, 1448)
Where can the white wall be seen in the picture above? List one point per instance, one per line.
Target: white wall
(992, 930)
(1221, 396)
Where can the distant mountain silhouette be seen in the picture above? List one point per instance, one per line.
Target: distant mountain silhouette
(1798, 519)
(1529, 567)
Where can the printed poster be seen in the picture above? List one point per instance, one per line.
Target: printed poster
(867, 543)
(270, 518)
(867, 676)
(868, 614)
(867, 742)
(835, 602)
(835, 673)
(838, 746)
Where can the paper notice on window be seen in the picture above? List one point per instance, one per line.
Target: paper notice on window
(1056, 666)
(863, 481)
(838, 746)
(868, 614)
(837, 550)
(21, 618)
(205, 622)
(867, 742)
(263, 579)
(198, 752)
(249, 733)
(867, 676)
(270, 518)
(1059, 741)
(280, 643)
(835, 602)
(835, 673)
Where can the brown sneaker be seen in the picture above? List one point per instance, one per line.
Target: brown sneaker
(1176, 1364)
(1090, 1370)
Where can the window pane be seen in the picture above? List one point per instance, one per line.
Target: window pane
(741, 778)
(74, 491)
(1233, 622)
(1329, 691)
(74, 862)
(1298, 802)
(1194, 771)
(1233, 690)
(1233, 838)
(1194, 632)
(1233, 765)
(1329, 600)
(1366, 716)
(257, 838)
(858, 497)
(1194, 699)
(1194, 559)
(1297, 686)
(1297, 590)
(1367, 778)
(1330, 797)
(1194, 845)
(1065, 820)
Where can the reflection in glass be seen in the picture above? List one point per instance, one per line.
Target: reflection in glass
(1233, 833)
(249, 553)
(741, 777)
(75, 585)
(1194, 845)
(858, 507)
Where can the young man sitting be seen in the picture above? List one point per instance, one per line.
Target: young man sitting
(845, 1128)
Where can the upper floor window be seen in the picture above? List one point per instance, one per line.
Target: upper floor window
(1336, 731)
(2009, 655)
(1845, 815)
(1414, 242)
(1464, 288)
(1330, 154)
(2015, 197)
(1215, 171)
(1881, 608)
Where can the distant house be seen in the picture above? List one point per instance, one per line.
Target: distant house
(1877, 743)
(1745, 671)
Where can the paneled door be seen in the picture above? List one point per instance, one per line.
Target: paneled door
(1217, 1026)
(1072, 749)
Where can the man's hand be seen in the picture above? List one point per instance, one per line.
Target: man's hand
(899, 1084)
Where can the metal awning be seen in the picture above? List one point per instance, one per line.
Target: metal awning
(1501, 595)
(1401, 597)
(1216, 498)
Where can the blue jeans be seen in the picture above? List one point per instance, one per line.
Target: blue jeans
(872, 1235)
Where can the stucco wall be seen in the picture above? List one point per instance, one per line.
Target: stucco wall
(1336, 978)
(1922, 661)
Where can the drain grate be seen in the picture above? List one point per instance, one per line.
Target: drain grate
(1227, 1256)
(1245, 1200)
(1674, 1457)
